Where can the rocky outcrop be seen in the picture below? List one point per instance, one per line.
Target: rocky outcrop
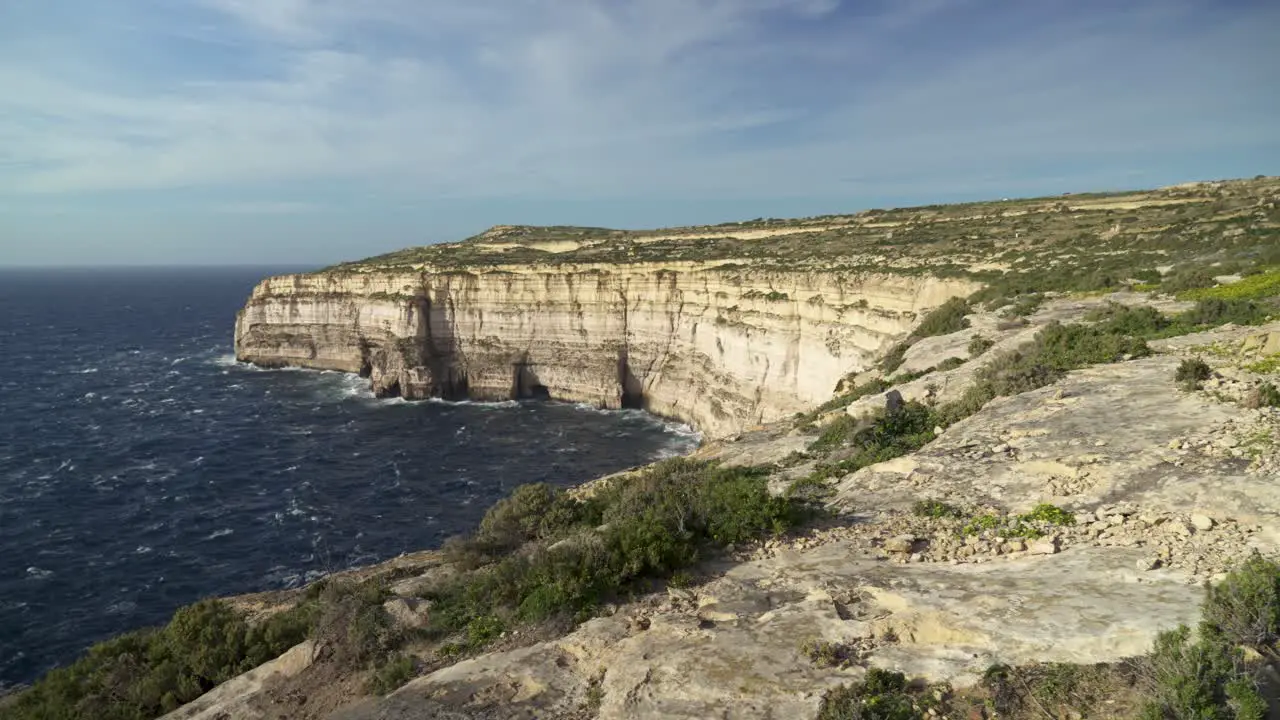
(721, 346)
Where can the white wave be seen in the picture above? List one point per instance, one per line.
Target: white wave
(38, 573)
(219, 533)
(124, 607)
(88, 371)
(142, 550)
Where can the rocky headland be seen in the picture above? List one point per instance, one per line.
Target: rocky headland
(999, 448)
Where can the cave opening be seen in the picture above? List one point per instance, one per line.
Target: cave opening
(525, 384)
(632, 389)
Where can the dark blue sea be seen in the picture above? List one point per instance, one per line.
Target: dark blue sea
(142, 469)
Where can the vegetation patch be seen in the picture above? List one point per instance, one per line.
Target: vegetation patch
(635, 530)
(1031, 525)
(1264, 395)
(883, 695)
(1265, 284)
(144, 674)
(945, 319)
(1191, 372)
(979, 345)
(936, 509)
(1265, 366)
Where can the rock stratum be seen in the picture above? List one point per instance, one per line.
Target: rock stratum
(720, 347)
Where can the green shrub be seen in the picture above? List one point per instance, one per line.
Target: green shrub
(1182, 279)
(1139, 321)
(893, 359)
(945, 319)
(813, 488)
(825, 654)
(352, 624)
(1212, 312)
(1024, 305)
(144, 674)
(1244, 609)
(1051, 514)
(1199, 680)
(392, 675)
(1256, 286)
(936, 509)
(870, 387)
(883, 695)
(532, 512)
(950, 363)
(655, 523)
(837, 433)
(1029, 525)
(1264, 395)
(1191, 372)
(979, 345)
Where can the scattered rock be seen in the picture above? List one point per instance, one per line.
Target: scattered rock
(1202, 522)
(407, 612)
(1048, 546)
(900, 544)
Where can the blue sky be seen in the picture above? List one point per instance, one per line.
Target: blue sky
(311, 131)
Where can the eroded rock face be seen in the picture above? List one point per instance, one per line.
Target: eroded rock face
(1163, 498)
(721, 348)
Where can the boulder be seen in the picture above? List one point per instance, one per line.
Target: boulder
(900, 544)
(1047, 546)
(407, 612)
(1202, 522)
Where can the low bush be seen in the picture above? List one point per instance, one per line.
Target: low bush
(1265, 284)
(1191, 372)
(1244, 609)
(1200, 679)
(979, 345)
(871, 387)
(392, 675)
(1212, 312)
(827, 654)
(1057, 349)
(945, 319)
(936, 509)
(352, 627)
(144, 674)
(655, 523)
(893, 359)
(1024, 305)
(1182, 279)
(1060, 690)
(883, 695)
(1031, 525)
(1264, 395)
(887, 436)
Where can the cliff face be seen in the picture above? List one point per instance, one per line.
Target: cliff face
(721, 347)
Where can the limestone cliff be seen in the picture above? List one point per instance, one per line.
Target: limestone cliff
(721, 346)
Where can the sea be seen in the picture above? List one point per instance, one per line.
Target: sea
(142, 468)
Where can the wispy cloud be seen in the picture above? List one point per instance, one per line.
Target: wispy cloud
(572, 99)
(268, 207)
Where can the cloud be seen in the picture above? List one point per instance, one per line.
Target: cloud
(268, 207)
(589, 98)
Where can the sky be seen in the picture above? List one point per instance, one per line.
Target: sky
(307, 132)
